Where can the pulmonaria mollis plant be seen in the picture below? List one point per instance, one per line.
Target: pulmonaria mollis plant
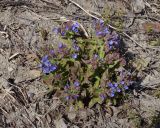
(86, 71)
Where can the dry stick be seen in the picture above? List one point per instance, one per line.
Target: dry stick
(60, 19)
(127, 36)
(83, 9)
(108, 24)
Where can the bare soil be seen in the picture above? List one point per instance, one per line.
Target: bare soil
(26, 26)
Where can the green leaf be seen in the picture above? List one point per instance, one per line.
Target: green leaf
(94, 101)
(101, 52)
(114, 101)
(69, 34)
(96, 85)
(108, 101)
(113, 65)
(80, 104)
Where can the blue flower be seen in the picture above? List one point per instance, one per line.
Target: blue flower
(112, 94)
(95, 56)
(74, 56)
(106, 31)
(118, 90)
(102, 29)
(110, 85)
(66, 87)
(101, 22)
(51, 52)
(126, 87)
(46, 65)
(76, 84)
(56, 30)
(67, 28)
(102, 96)
(102, 32)
(60, 45)
(67, 97)
(63, 33)
(75, 96)
(75, 30)
(115, 85)
(111, 42)
(76, 24)
(53, 68)
(99, 33)
(113, 88)
(75, 27)
(45, 70)
(122, 82)
(76, 47)
(44, 59)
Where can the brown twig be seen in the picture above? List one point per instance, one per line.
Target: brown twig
(83, 9)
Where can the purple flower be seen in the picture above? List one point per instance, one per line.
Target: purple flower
(74, 56)
(126, 87)
(76, 84)
(106, 31)
(95, 56)
(101, 22)
(102, 96)
(67, 28)
(66, 87)
(99, 33)
(122, 82)
(111, 42)
(118, 90)
(112, 94)
(67, 97)
(115, 85)
(75, 96)
(56, 30)
(60, 45)
(45, 70)
(75, 27)
(113, 89)
(46, 65)
(110, 85)
(102, 30)
(53, 68)
(44, 59)
(51, 52)
(63, 33)
(76, 47)
(116, 38)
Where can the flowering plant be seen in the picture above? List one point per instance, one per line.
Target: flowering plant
(86, 71)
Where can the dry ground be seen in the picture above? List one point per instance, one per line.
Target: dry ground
(23, 27)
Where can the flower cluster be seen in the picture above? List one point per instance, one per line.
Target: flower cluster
(112, 38)
(46, 65)
(72, 91)
(87, 69)
(117, 88)
(66, 27)
(113, 42)
(101, 28)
